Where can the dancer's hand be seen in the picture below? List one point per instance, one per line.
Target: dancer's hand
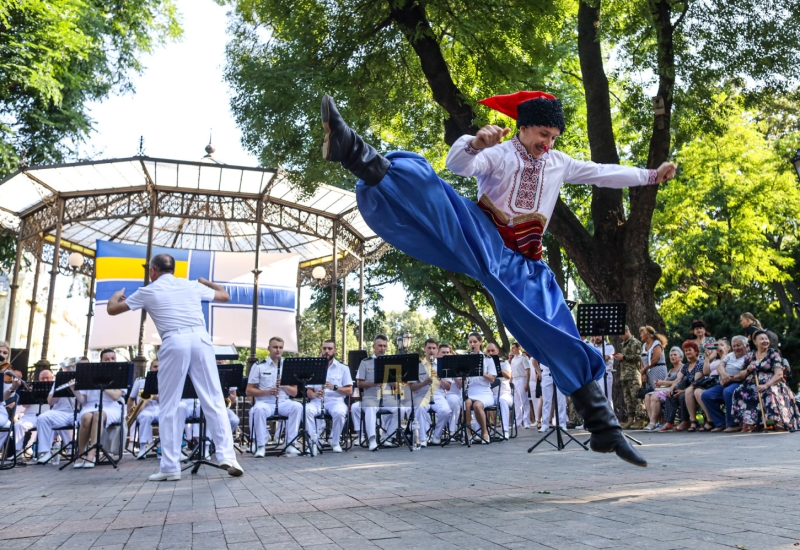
(666, 172)
(489, 136)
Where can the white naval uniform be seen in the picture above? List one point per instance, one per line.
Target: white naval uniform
(338, 375)
(136, 387)
(61, 413)
(175, 306)
(520, 370)
(456, 402)
(111, 407)
(516, 183)
(147, 416)
(480, 389)
(547, 399)
(505, 401)
(370, 403)
(5, 421)
(609, 376)
(264, 374)
(25, 423)
(422, 405)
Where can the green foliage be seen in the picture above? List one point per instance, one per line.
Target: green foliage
(8, 250)
(56, 56)
(286, 53)
(728, 223)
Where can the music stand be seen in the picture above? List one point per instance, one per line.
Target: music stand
(397, 369)
(354, 359)
(101, 377)
(603, 320)
(37, 395)
(302, 372)
(557, 429)
(461, 366)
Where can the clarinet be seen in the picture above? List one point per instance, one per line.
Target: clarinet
(430, 360)
(278, 386)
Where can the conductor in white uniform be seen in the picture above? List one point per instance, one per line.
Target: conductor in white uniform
(175, 305)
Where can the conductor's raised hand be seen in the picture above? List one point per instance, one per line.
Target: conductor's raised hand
(489, 136)
(666, 172)
(116, 304)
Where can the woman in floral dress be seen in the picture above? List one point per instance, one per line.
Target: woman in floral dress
(779, 404)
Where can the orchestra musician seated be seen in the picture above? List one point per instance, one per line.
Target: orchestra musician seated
(27, 415)
(147, 414)
(505, 401)
(429, 393)
(89, 417)
(479, 390)
(330, 398)
(61, 414)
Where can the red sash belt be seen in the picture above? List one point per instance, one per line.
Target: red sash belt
(524, 236)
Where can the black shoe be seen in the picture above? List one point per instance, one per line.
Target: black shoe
(343, 145)
(599, 419)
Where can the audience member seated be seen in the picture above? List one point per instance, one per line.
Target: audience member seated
(729, 370)
(764, 368)
(676, 396)
(654, 400)
(706, 380)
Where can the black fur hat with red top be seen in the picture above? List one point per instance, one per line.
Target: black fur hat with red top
(529, 108)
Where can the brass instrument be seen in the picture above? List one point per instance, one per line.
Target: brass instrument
(131, 418)
(434, 376)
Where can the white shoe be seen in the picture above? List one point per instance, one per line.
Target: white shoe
(579, 427)
(184, 458)
(272, 442)
(142, 452)
(526, 426)
(337, 448)
(505, 436)
(44, 458)
(232, 467)
(389, 443)
(436, 440)
(165, 476)
(79, 464)
(543, 429)
(291, 450)
(261, 452)
(88, 464)
(373, 444)
(423, 443)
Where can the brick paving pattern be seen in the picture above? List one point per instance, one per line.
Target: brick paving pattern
(701, 491)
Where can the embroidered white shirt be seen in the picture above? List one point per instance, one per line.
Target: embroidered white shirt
(519, 184)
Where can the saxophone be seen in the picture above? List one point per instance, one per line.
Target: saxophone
(131, 418)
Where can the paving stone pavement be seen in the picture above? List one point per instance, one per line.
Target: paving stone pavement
(701, 492)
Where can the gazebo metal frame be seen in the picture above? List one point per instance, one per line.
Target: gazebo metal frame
(56, 210)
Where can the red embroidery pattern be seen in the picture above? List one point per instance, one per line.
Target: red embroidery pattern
(470, 150)
(652, 177)
(529, 180)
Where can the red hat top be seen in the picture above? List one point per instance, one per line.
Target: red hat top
(508, 104)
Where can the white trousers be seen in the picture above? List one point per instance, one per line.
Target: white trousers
(455, 402)
(23, 426)
(609, 378)
(522, 405)
(145, 420)
(505, 403)
(547, 398)
(48, 421)
(4, 423)
(181, 354)
(443, 413)
(389, 421)
(338, 411)
(264, 409)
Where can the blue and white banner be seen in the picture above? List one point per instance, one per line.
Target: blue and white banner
(122, 265)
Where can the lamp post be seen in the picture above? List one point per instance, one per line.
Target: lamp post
(796, 163)
(403, 342)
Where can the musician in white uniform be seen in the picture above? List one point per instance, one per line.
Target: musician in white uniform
(175, 306)
(520, 376)
(505, 401)
(148, 414)
(608, 355)
(27, 415)
(9, 389)
(452, 392)
(90, 409)
(547, 401)
(61, 413)
(264, 384)
(372, 397)
(338, 386)
(479, 391)
(428, 395)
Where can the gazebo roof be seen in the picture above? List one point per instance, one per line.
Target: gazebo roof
(198, 204)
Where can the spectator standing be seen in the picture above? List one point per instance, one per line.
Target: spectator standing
(631, 379)
(701, 337)
(654, 365)
(750, 325)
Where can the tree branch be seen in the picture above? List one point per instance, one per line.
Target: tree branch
(450, 306)
(479, 320)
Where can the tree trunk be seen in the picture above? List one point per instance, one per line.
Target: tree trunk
(555, 261)
(783, 298)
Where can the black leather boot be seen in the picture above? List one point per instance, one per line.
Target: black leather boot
(343, 145)
(599, 419)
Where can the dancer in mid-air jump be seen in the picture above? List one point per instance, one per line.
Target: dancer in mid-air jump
(499, 240)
